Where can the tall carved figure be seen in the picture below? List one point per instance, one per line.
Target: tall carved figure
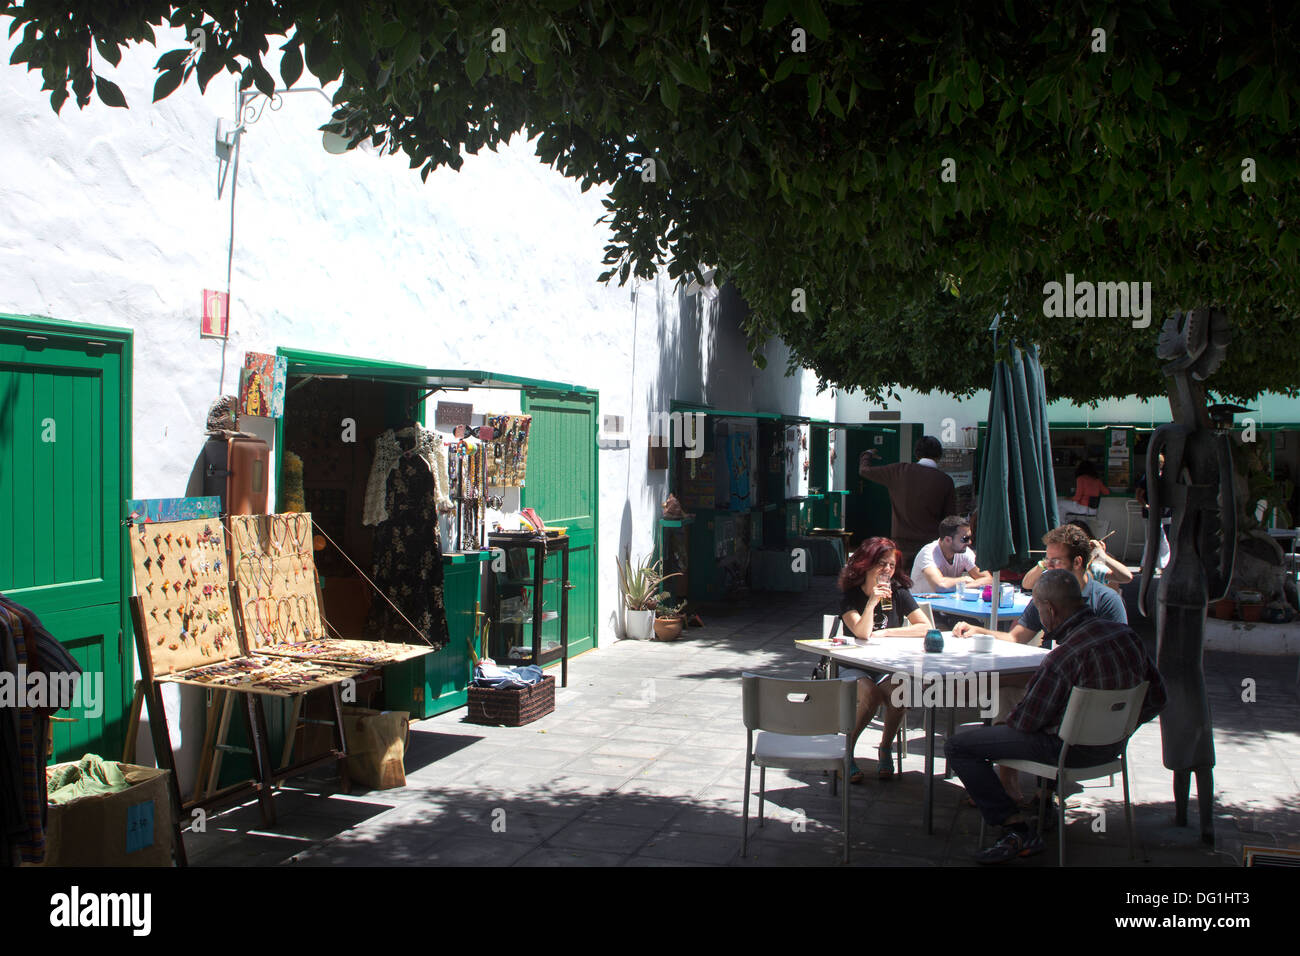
(1197, 482)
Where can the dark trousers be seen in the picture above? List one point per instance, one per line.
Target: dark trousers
(973, 752)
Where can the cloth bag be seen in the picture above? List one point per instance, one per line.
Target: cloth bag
(377, 746)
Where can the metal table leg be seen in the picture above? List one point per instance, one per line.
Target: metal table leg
(927, 804)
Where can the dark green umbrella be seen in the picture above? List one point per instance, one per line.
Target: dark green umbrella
(1017, 502)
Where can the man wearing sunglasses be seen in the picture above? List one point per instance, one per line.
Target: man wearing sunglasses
(949, 561)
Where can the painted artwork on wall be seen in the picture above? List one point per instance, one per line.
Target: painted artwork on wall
(261, 385)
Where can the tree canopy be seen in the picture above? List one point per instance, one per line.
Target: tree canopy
(848, 166)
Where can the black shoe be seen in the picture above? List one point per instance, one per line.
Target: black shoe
(1013, 845)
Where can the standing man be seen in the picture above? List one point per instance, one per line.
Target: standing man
(1090, 652)
(945, 564)
(920, 495)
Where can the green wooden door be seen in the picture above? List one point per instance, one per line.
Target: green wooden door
(868, 511)
(563, 488)
(64, 467)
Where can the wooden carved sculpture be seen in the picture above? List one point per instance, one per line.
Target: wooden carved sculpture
(1198, 484)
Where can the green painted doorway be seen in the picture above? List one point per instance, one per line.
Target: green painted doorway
(65, 471)
(563, 487)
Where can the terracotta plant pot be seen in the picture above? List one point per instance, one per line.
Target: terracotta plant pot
(668, 628)
(1251, 612)
(1224, 609)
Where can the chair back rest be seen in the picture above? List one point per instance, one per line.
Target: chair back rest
(1097, 718)
(799, 707)
(927, 611)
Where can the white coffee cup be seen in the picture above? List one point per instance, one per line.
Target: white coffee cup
(983, 643)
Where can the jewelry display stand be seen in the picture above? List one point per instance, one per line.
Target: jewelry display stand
(279, 602)
(187, 632)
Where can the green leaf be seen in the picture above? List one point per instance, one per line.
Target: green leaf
(1142, 85)
(786, 68)
(407, 53)
(606, 33)
(392, 33)
(110, 51)
(291, 64)
(172, 58)
(833, 103)
(1040, 90)
(109, 92)
(670, 94)
(809, 13)
(58, 98)
(167, 83)
(774, 11)
(475, 63)
(1119, 80)
(814, 94)
(636, 24)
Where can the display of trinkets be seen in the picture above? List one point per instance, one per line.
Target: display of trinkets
(277, 602)
(507, 460)
(257, 673)
(468, 478)
(275, 576)
(180, 575)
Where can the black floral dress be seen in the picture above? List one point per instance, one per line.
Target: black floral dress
(408, 559)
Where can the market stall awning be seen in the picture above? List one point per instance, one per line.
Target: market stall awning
(338, 366)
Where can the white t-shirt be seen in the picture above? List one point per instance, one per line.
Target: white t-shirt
(931, 556)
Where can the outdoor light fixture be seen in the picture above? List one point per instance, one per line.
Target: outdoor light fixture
(708, 288)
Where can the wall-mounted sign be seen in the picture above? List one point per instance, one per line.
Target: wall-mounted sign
(216, 315)
(447, 415)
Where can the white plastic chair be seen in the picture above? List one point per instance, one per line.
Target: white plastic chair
(1135, 528)
(1093, 718)
(801, 725)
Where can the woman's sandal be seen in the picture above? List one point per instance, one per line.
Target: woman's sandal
(855, 775)
(885, 759)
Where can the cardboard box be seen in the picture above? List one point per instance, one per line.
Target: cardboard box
(132, 827)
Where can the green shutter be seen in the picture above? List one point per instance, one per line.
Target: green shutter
(563, 488)
(64, 473)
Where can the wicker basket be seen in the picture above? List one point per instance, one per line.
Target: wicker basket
(511, 706)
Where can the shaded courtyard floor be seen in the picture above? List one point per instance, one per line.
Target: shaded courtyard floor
(641, 764)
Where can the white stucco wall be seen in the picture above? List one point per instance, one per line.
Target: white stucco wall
(112, 217)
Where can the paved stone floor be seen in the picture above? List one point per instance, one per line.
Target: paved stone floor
(641, 764)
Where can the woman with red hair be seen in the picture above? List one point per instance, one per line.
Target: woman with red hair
(877, 602)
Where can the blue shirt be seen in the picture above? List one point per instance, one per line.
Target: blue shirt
(1105, 603)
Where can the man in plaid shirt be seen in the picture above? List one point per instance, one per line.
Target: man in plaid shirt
(1090, 652)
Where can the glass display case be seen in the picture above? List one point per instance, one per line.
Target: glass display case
(527, 600)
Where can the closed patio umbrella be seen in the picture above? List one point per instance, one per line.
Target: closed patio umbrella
(1017, 491)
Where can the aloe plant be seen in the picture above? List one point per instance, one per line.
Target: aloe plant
(640, 585)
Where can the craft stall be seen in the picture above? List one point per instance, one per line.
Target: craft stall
(190, 629)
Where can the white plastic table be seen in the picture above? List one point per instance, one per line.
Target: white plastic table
(906, 656)
(981, 611)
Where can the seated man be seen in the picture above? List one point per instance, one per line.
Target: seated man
(946, 563)
(1090, 652)
(1068, 548)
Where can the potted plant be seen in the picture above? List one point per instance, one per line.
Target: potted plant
(669, 618)
(1250, 604)
(639, 584)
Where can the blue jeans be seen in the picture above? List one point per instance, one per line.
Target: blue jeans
(973, 752)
